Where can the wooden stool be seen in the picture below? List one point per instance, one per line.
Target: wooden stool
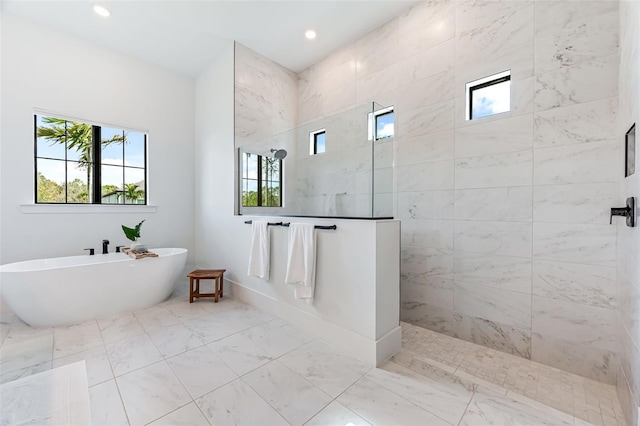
(205, 274)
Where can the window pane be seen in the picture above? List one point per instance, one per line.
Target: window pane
(320, 142)
(51, 180)
(385, 125)
(249, 193)
(113, 175)
(78, 178)
(270, 168)
(134, 149)
(134, 186)
(270, 194)
(250, 166)
(79, 141)
(112, 146)
(491, 100)
(53, 146)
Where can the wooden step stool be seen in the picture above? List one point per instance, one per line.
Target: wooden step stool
(205, 274)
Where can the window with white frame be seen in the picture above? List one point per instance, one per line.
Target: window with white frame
(381, 124)
(488, 96)
(317, 142)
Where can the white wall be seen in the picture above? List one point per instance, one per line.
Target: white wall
(628, 260)
(51, 71)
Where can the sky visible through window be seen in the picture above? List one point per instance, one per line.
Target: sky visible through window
(384, 125)
(491, 100)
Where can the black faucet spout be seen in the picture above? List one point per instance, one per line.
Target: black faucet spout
(105, 246)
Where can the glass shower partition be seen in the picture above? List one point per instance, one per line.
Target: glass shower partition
(337, 166)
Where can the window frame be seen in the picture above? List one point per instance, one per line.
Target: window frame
(259, 181)
(483, 83)
(373, 123)
(96, 172)
(313, 141)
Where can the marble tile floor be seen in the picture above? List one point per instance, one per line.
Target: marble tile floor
(584, 398)
(230, 363)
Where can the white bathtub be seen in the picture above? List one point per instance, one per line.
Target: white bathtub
(68, 290)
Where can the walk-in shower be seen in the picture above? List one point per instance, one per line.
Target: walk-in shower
(339, 166)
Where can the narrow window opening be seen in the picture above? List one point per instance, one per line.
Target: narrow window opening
(488, 96)
(382, 124)
(317, 142)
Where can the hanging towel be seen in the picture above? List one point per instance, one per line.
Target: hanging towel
(301, 261)
(259, 257)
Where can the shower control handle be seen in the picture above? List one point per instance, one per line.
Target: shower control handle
(629, 211)
(91, 251)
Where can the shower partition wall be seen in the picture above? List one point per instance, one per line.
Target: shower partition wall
(338, 166)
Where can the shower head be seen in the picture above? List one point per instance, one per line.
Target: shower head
(279, 153)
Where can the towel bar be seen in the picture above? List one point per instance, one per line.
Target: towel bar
(249, 222)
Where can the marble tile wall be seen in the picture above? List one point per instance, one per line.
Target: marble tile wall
(505, 233)
(628, 248)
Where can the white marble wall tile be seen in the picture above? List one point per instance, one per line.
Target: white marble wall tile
(426, 25)
(428, 316)
(376, 85)
(570, 282)
(200, 371)
(487, 46)
(151, 393)
(425, 205)
(425, 148)
(429, 62)
(588, 326)
(498, 170)
(427, 91)
(628, 401)
(425, 120)
(501, 238)
(582, 203)
(496, 305)
(629, 302)
(493, 334)
(584, 82)
(587, 244)
(378, 405)
(575, 124)
(494, 137)
(594, 162)
(500, 204)
(629, 362)
(568, 33)
(502, 272)
(522, 91)
(591, 362)
(341, 99)
(426, 261)
(435, 291)
(252, 116)
(435, 175)
(106, 405)
(427, 233)
(378, 49)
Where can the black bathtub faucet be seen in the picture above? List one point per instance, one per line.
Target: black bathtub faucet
(105, 246)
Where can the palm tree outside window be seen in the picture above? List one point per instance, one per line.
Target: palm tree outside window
(77, 162)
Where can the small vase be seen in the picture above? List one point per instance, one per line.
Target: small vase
(139, 247)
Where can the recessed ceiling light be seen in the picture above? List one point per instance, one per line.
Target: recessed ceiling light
(310, 34)
(101, 10)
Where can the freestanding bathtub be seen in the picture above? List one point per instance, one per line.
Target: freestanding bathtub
(68, 290)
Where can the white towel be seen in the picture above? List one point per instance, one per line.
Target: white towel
(259, 257)
(301, 261)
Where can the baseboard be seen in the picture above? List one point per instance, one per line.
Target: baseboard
(367, 350)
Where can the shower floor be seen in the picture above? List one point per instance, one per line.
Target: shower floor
(510, 375)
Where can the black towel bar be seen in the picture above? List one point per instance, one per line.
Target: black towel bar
(249, 222)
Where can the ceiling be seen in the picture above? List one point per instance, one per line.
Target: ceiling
(185, 36)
